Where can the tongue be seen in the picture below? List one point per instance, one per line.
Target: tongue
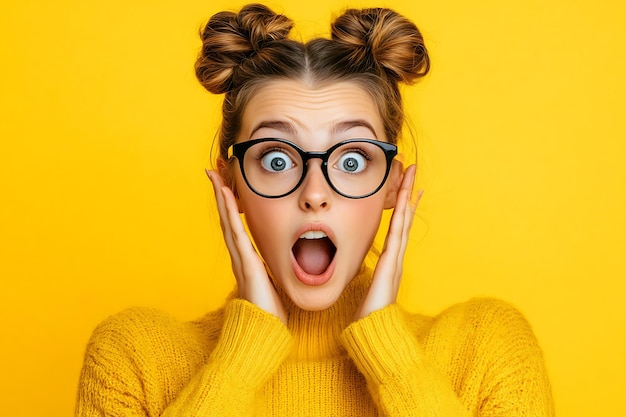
(313, 255)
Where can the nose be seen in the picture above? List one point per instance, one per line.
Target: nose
(315, 193)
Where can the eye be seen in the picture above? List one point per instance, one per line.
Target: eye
(352, 162)
(276, 161)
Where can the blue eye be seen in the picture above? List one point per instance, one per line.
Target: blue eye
(276, 161)
(352, 162)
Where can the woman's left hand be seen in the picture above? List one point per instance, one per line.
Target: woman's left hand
(388, 271)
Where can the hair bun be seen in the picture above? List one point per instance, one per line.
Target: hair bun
(229, 39)
(383, 39)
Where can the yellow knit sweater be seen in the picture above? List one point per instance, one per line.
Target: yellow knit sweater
(478, 358)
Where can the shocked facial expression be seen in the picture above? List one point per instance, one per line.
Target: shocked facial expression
(313, 240)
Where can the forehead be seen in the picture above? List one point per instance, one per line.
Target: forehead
(309, 109)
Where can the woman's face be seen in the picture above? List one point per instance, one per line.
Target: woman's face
(313, 240)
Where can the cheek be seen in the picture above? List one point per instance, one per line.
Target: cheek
(264, 220)
(362, 219)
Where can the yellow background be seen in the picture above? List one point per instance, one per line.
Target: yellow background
(104, 203)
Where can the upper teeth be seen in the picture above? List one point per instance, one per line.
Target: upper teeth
(313, 234)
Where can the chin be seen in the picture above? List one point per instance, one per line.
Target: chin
(314, 299)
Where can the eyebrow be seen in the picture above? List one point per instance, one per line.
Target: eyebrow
(347, 125)
(277, 125)
(288, 128)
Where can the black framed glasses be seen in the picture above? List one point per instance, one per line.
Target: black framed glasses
(274, 168)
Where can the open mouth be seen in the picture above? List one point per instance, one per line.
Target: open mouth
(314, 252)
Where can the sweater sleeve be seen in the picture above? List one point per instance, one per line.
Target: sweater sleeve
(400, 379)
(514, 376)
(498, 367)
(251, 346)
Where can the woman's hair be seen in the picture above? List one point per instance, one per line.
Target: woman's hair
(375, 48)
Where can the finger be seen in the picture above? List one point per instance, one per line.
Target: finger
(388, 272)
(398, 235)
(217, 184)
(387, 266)
(404, 240)
(225, 223)
(228, 208)
(252, 280)
(249, 257)
(219, 199)
(401, 222)
(258, 287)
(409, 214)
(386, 280)
(399, 212)
(415, 199)
(408, 181)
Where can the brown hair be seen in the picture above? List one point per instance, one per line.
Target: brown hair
(376, 48)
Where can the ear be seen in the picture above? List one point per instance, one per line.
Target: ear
(226, 173)
(394, 181)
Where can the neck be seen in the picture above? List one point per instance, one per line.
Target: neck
(316, 333)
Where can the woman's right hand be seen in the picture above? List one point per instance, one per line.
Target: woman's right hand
(253, 282)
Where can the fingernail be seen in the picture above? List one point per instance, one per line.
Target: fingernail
(208, 173)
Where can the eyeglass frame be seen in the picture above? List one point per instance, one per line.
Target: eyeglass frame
(238, 150)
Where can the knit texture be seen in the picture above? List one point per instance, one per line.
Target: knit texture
(478, 358)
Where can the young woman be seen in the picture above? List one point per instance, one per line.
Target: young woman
(307, 154)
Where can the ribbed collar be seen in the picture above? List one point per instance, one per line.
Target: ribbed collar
(316, 333)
